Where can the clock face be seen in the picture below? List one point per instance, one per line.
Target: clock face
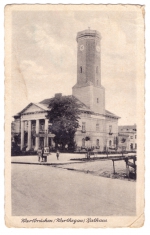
(81, 48)
(98, 48)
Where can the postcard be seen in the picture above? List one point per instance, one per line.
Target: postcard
(74, 116)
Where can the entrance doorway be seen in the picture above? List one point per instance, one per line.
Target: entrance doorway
(41, 144)
(49, 142)
(33, 142)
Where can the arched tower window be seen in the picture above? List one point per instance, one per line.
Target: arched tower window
(97, 143)
(110, 129)
(97, 82)
(97, 100)
(109, 142)
(97, 127)
(80, 69)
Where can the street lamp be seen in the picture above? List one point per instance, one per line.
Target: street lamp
(46, 135)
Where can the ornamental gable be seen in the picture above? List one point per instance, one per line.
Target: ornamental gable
(33, 108)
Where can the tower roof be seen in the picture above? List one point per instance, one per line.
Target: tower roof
(88, 32)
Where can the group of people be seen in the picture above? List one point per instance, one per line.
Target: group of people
(42, 158)
(40, 153)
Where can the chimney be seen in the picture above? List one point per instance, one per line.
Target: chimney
(58, 95)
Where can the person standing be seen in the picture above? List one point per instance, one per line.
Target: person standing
(42, 152)
(39, 152)
(57, 154)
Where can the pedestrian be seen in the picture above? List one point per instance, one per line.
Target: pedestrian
(39, 152)
(57, 154)
(42, 152)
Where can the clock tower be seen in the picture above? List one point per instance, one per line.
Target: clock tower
(88, 88)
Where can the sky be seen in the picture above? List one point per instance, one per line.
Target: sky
(44, 56)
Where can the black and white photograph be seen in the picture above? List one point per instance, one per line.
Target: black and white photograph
(75, 115)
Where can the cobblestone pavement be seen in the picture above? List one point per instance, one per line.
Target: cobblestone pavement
(39, 190)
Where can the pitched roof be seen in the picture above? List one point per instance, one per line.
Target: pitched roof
(44, 105)
(45, 101)
(122, 134)
(83, 106)
(127, 128)
(109, 114)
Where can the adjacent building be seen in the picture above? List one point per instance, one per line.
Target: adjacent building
(128, 137)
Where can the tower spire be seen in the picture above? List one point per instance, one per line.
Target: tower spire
(88, 88)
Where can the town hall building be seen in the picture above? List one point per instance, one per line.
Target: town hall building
(97, 123)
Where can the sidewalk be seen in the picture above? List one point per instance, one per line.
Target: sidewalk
(51, 159)
(64, 158)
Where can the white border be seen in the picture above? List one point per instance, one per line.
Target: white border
(146, 227)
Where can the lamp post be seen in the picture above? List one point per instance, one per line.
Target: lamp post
(46, 135)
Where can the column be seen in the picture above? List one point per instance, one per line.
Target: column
(29, 134)
(22, 134)
(46, 133)
(37, 137)
(52, 142)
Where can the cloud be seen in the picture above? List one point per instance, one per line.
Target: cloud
(41, 84)
(58, 54)
(45, 46)
(30, 67)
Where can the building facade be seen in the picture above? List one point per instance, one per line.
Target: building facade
(128, 137)
(96, 123)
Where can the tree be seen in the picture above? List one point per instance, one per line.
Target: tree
(87, 138)
(64, 117)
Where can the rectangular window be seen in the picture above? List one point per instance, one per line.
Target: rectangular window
(97, 127)
(49, 127)
(110, 128)
(97, 100)
(135, 136)
(83, 127)
(131, 137)
(80, 69)
(42, 126)
(97, 143)
(33, 127)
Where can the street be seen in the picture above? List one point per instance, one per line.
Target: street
(40, 190)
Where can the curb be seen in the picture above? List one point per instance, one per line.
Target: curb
(46, 164)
